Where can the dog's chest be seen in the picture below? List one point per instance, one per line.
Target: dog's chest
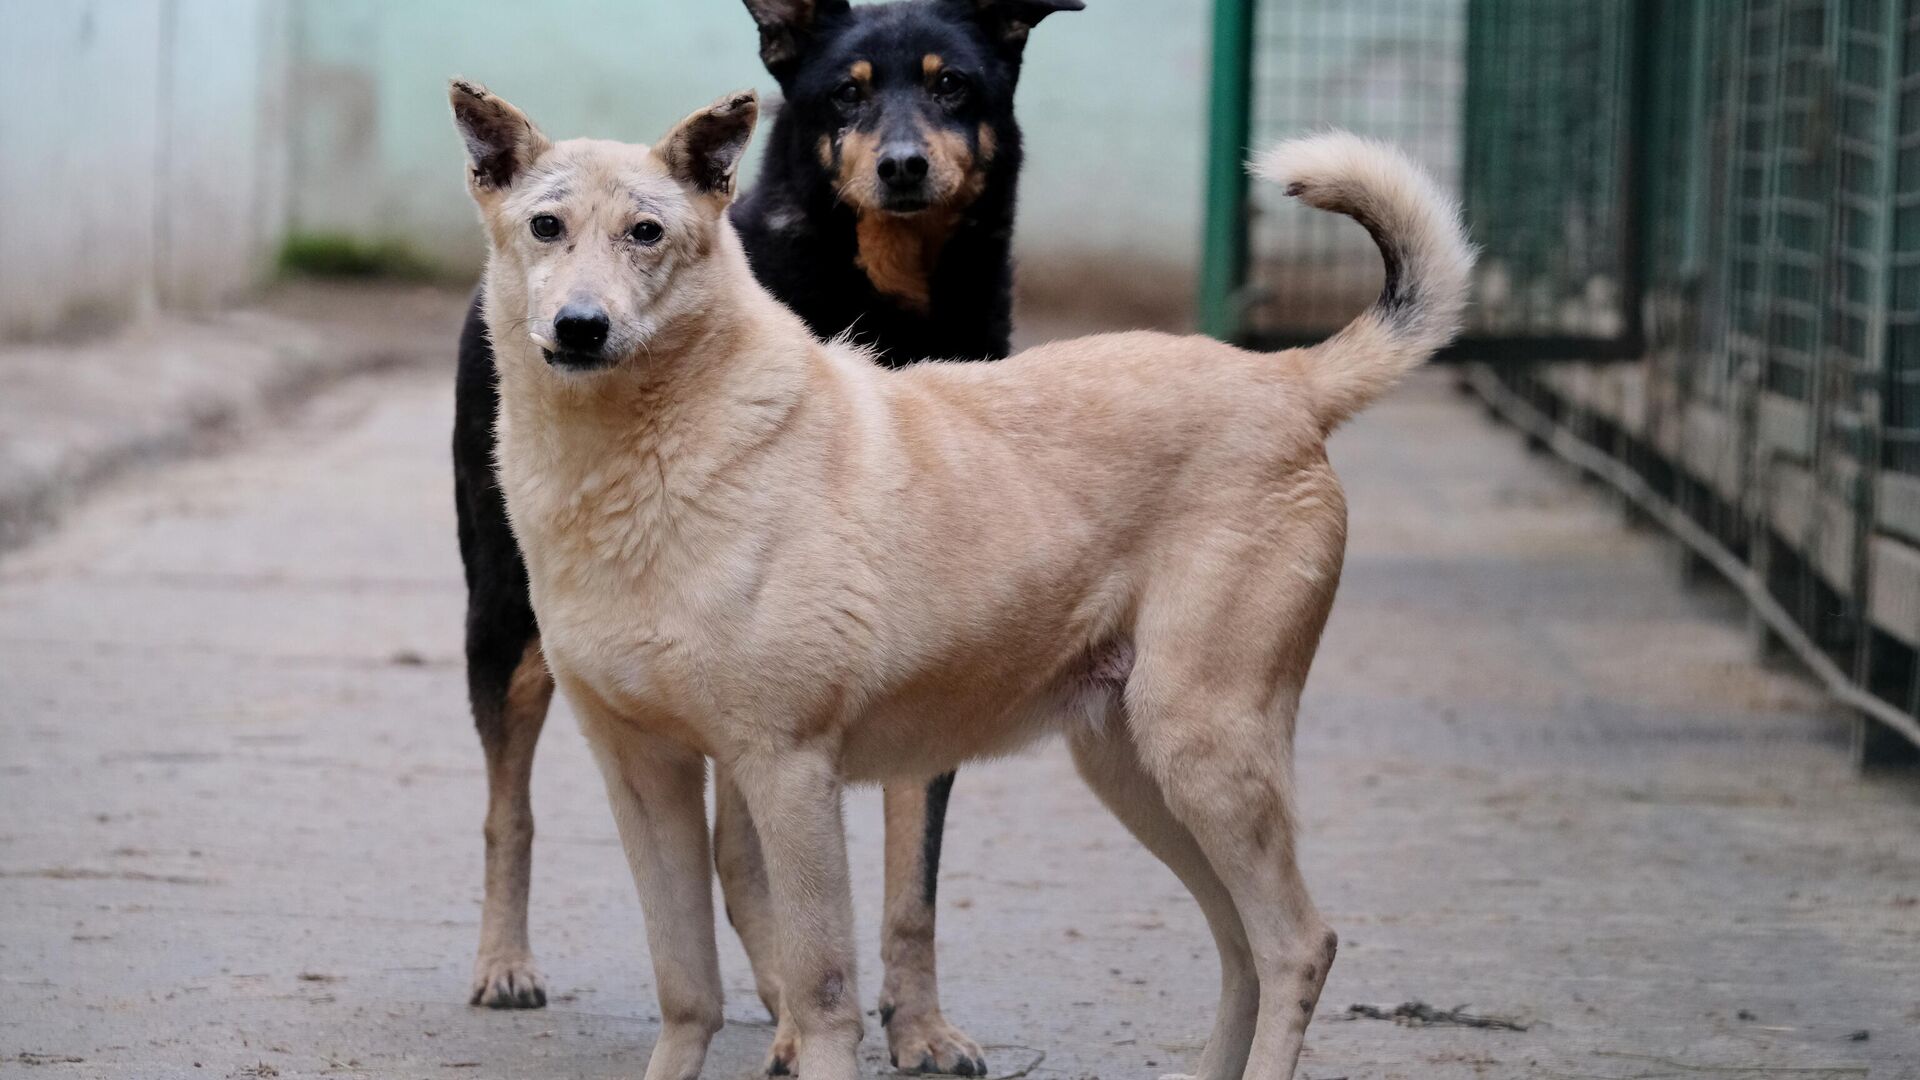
(611, 568)
(639, 647)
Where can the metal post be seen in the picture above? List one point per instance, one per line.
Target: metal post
(1223, 260)
(1873, 743)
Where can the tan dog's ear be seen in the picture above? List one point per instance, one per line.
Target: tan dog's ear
(501, 141)
(703, 151)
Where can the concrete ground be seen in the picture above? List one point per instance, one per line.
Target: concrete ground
(240, 832)
(82, 408)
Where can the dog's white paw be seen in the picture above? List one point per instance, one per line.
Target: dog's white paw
(926, 1043)
(508, 982)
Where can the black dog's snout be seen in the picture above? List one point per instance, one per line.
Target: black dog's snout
(581, 328)
(903, 165)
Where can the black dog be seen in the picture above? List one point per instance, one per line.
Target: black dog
(884, 210)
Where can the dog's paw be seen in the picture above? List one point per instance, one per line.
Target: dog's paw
(928, 1044)
(1177, 1076)
(783, 1057)
(508, 982)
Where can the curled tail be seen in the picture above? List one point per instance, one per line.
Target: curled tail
(1422, 241)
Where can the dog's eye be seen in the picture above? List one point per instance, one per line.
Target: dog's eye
(647, 232)
(849, 93)
(545, 226)
(950, 84)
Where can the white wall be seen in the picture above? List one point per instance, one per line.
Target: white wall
(156, 152)
(142, 150)
(1113, 103)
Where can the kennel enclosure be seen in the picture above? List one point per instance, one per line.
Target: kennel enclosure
(1700, 223)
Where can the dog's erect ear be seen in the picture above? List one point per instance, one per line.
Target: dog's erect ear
(703, 151)
(1009, 20)
(501, 141)
(785, 26)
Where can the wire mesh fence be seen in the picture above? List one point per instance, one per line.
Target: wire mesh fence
(1551, 163)
(1769, 166)
(1723, 194)
(1392, 69)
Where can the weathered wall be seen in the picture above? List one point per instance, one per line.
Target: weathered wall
(1113, 102)
(142, 150)
(157, 152)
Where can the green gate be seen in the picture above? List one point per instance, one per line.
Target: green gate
(1707, 210)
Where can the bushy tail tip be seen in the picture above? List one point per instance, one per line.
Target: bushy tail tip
(1417, 227)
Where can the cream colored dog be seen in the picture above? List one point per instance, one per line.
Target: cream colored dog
(750, 545)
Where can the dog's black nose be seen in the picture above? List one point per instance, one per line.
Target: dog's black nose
(580, 328)
(902, 166)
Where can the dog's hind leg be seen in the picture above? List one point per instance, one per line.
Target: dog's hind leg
(1214, 727)
(794, 796)
(1235, 796)
(657, 791)
(507, 684)
(919, 1038)
(742, 867)
(1109, 763)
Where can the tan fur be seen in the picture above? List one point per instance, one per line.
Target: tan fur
(899, 253)
(952, 168)
(861, 71)
(858, 176)
(746, 543)
(955, 176)
(930, 65)
(742, 866)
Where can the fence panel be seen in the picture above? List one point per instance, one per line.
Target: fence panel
(1776, 406)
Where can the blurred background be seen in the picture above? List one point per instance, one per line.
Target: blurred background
(243, 137)
(1613, 734)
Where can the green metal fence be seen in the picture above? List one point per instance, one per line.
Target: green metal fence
(1722, 198)
(1394, 69)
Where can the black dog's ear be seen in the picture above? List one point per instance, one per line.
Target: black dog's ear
(703, 151)
(501, 141)
(785, 26)
(1009, 20)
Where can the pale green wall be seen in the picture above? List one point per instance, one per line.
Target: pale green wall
(155, 152)
(1113, 103)
(142, 156)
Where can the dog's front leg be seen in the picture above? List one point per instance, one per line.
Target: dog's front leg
(657, 790)
(749, 903)
(794, 798)
(919, 1038)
